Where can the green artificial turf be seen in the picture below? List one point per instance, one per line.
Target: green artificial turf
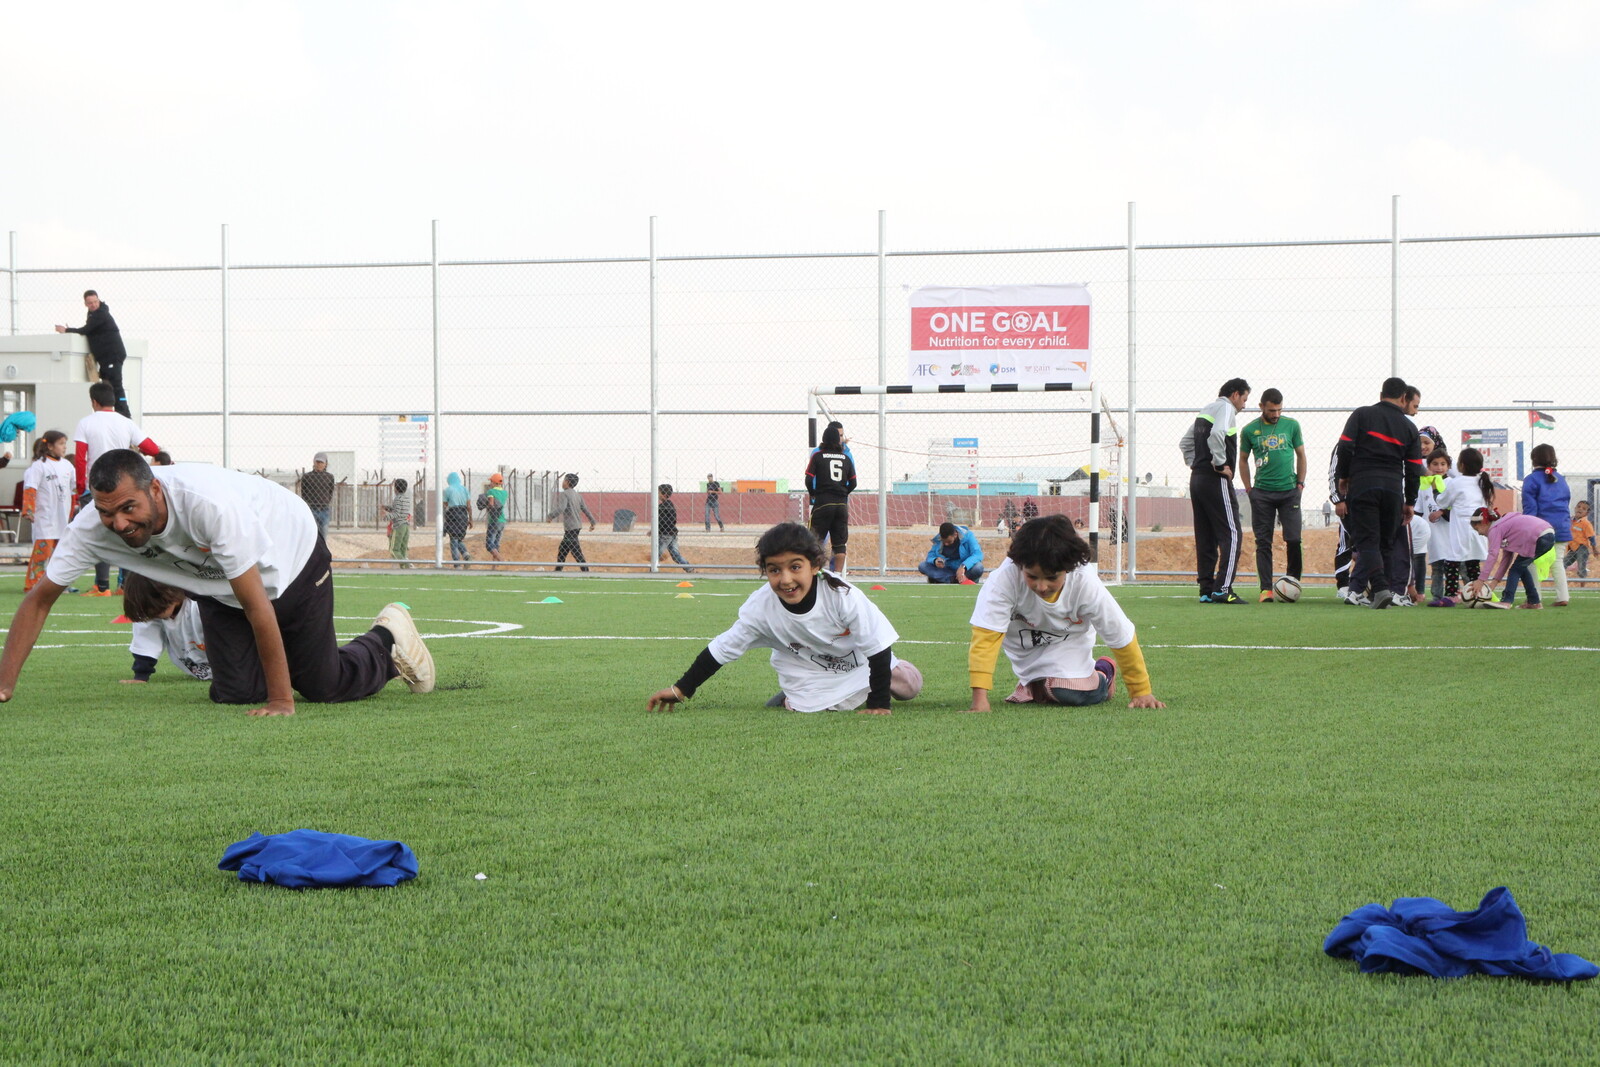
(729, 883)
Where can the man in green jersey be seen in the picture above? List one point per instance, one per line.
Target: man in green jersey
(1278, 451)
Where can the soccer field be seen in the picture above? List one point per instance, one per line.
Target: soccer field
(732, 883)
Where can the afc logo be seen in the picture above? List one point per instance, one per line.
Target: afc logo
(927, 370)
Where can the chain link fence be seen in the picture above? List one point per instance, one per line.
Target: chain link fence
(684, 369)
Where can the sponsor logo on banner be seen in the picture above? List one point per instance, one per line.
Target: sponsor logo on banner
(1005, 322)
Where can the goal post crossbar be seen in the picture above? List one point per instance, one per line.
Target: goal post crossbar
(1094, 412)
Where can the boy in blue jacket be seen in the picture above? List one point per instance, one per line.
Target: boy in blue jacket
(955, 556)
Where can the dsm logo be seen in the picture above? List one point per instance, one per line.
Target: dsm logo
(995, 368)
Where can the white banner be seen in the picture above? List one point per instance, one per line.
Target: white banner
(1000, 333)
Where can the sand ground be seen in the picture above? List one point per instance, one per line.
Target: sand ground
(1169, 550)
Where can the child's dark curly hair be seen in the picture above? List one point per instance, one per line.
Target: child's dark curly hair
(792, 537)
(1049, 543)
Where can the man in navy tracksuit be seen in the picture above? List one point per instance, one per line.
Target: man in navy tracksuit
(1379, 472)
(1211, 448)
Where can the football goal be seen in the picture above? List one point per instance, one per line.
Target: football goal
(987, 457)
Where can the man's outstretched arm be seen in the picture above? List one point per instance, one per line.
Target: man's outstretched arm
(25, 627)
(252, 597)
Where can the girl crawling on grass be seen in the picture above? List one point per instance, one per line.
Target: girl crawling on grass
(831, 646)
(1045, 606)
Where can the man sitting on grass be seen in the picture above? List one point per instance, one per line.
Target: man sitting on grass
(955, 556)
(247, 550)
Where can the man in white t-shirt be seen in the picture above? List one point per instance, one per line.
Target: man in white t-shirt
(97, 433)
(246, 549)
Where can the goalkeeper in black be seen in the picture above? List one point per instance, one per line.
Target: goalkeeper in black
(830, 478)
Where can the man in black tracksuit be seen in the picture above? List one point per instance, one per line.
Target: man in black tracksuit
(1211, 448)
(105, 344)
(1379, 471)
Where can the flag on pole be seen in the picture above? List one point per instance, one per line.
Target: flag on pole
(1538, 420)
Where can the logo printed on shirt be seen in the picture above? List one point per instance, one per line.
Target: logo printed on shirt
(836, 664)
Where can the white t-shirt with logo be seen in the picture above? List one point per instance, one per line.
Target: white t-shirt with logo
(821, 656)
(182, 638)
(1050, 640)
(52, 483)
(220, 523)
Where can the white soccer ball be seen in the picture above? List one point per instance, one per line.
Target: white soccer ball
(1286, 589)
(1477, 595)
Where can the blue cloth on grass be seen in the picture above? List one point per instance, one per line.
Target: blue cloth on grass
(1420, 935)
(311, 859)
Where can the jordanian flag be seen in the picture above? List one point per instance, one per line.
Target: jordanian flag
(1540, 421)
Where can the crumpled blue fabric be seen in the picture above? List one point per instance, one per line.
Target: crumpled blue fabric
(312, 859)
(17, 420)
(1420, 935)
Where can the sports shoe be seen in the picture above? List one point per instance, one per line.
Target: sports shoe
(1441, 602)
(1403, 601)
(1358, 600)
(1205, 598)
(1108, 667)
(1530, 607)
(1561, 603)
(1226, 598)
(1265, 597)
(98, 592)
(777, 700)
(1382, 599)
(411, 657)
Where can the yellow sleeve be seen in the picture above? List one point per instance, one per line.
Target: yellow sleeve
(981, 655)
(1130, 662)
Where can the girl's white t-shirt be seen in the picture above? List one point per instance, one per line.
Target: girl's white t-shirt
(220, 523)
(1044, 640)
(1463, 496)
(821, 656)
(182, 638)
(51, 481)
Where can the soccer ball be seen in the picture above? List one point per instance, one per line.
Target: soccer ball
(1286, 589)
(1477, 595)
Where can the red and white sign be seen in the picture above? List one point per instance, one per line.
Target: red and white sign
(1000, 333)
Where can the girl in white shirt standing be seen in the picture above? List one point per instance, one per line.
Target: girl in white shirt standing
(831, 646)
(46, 500)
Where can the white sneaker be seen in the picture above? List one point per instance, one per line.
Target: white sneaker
(1358, 600)
(1402, 601)
(411, 657)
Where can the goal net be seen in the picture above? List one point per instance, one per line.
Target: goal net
(984, 457)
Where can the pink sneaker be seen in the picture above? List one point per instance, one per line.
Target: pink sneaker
(1021, 695)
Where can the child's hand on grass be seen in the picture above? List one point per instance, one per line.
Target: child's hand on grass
(664, 699)
(1146, 701)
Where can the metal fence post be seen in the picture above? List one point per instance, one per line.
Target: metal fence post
(227, 398)
(883, 379)
(1394, 287)
(1132, 454)
(13, 278)
(655, 410)
(438, 438)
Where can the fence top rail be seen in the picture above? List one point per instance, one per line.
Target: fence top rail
(893, 254)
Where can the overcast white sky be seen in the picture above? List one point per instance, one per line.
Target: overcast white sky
(336, 131)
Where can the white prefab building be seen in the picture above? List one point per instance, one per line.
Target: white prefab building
(48, 374)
